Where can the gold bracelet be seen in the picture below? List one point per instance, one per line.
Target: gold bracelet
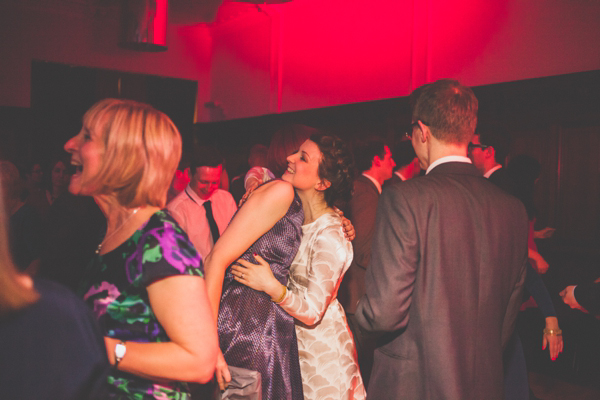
(553, 332)
(280, 299)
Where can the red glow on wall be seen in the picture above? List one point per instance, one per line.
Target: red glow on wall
(310, 54)
(159, 22)
(459, 35)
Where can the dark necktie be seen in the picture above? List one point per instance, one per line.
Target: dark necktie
(214, 229)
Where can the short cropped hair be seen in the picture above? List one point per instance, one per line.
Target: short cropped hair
(142, 148)
(205, 156)
(365, 151)
(403, 153)
(491, 136)
(336, 166)
(449, 109)
(285, 142)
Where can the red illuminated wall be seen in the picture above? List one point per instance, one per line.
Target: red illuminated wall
(343, 51)
(256, 60)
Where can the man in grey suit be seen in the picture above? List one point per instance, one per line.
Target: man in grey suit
(447, 265)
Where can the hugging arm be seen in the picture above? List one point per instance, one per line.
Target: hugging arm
(325, 268)
(267, 205)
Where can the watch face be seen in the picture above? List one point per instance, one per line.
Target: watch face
(120, 350)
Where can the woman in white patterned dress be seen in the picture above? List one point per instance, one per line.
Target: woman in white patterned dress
(321, 171)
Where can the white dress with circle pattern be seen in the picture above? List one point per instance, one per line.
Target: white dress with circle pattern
(328, 360)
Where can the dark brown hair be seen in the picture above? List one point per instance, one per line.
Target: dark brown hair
(336, 166)
(284, 142)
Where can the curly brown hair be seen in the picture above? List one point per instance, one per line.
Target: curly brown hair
(336, 166)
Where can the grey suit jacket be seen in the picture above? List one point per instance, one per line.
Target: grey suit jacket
(445, 284)
(362, 214)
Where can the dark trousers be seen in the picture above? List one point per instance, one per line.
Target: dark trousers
(516, 380)
(365, 348)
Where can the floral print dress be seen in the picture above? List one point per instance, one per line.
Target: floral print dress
(116, 290)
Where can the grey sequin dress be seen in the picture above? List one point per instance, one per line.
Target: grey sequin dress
(254, 332)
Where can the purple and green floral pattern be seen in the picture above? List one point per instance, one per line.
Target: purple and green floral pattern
(116, 290)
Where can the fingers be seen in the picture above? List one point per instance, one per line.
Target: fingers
(562, 344)
(226, 376)
(544, 342)
(221, 383)
(259, 259)
(554, 350)
(222, 372)
(239, 273)
(243, 264)
(554, 344)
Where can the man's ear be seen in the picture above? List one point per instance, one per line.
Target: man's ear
(491, 152)
(376, 161)
(425, 133)
(323, 185)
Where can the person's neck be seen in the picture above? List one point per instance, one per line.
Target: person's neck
(57, 191)
(374, 173)
(121, 222)
(491, 166)
(313, 205)
(439, 150)
(407, 171)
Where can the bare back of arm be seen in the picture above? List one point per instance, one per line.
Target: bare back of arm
(267, 205)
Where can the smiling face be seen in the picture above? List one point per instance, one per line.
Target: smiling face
(303, 167)
(86, 149)
(206, 180)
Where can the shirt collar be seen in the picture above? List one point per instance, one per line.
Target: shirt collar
(400, 175)
(377, 185)
(491, 171)
(448, 159)
(192, 195)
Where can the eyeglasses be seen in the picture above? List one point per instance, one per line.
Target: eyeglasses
(472, 146)
(412, 126)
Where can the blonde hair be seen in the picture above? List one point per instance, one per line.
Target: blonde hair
(142, 148)
(13, 295)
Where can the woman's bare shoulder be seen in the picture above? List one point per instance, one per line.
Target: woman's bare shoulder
(275, 189)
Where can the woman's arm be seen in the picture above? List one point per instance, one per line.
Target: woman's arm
(181, 306)
(535, 286)
(324, 272)
(267, 205)
(541, 266)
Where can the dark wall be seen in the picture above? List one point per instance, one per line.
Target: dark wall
(61, 94)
